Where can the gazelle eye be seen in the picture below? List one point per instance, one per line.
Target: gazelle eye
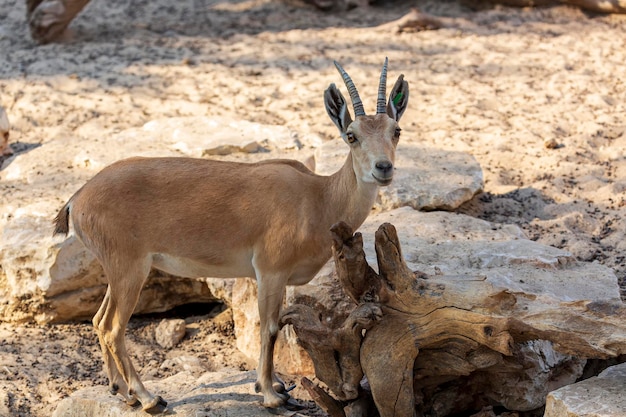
(351, 137)
(397, 133)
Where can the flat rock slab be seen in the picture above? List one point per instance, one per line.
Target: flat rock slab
(457, 244)
(213, 394)
(601, 396)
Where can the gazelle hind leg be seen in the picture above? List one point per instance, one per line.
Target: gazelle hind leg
(117, 385)
(125, 288)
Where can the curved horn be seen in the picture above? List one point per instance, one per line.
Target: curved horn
(381, 103)
(354, 95)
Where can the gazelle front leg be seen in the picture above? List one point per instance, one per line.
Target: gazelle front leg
(271, 290)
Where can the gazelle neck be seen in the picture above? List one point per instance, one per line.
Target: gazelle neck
(350, 196)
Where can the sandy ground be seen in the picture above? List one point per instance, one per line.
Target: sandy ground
(498, 83)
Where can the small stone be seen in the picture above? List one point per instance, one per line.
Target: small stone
(170, 332)
(551, 143)
(221, 150)
(191, 364)
(253, 147)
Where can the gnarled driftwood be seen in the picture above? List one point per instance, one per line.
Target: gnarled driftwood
(478, 344)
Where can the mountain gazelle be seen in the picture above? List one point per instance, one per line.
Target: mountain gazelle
(201, 218)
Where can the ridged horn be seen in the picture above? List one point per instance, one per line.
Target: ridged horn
(354, 94)
(381, 103)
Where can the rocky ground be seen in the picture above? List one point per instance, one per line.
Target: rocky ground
(536, 95)
(42, 365)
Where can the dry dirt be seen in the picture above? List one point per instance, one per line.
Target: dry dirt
(496, 82)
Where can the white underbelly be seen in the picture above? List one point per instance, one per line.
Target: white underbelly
(238, 267)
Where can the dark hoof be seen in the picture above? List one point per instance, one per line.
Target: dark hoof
(293, 405)
(48, 21)
(157, 406)
(290, 405)
(44, 34)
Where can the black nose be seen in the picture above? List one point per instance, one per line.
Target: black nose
(384, 166)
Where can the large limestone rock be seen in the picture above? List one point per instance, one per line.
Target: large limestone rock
(562, 311)
(425, 178)
(557, 311)
(459, 245)
(291, 358)
(54, 279)
(601, 396)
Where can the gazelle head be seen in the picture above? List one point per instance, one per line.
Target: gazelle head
(372, 138)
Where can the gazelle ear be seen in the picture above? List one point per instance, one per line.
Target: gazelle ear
(337, 108)
(398, 99)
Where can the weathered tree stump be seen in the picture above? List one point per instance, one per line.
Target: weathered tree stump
(410, 328)
(343, 373)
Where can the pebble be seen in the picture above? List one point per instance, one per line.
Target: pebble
(170, 332)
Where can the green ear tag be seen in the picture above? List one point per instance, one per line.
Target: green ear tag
(397, 98)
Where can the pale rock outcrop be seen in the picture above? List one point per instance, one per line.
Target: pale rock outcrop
(54, 279)
(601, 396)
(568, 310)
(456, 244)
(425, 178)
(293, 359)
(49, 278)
